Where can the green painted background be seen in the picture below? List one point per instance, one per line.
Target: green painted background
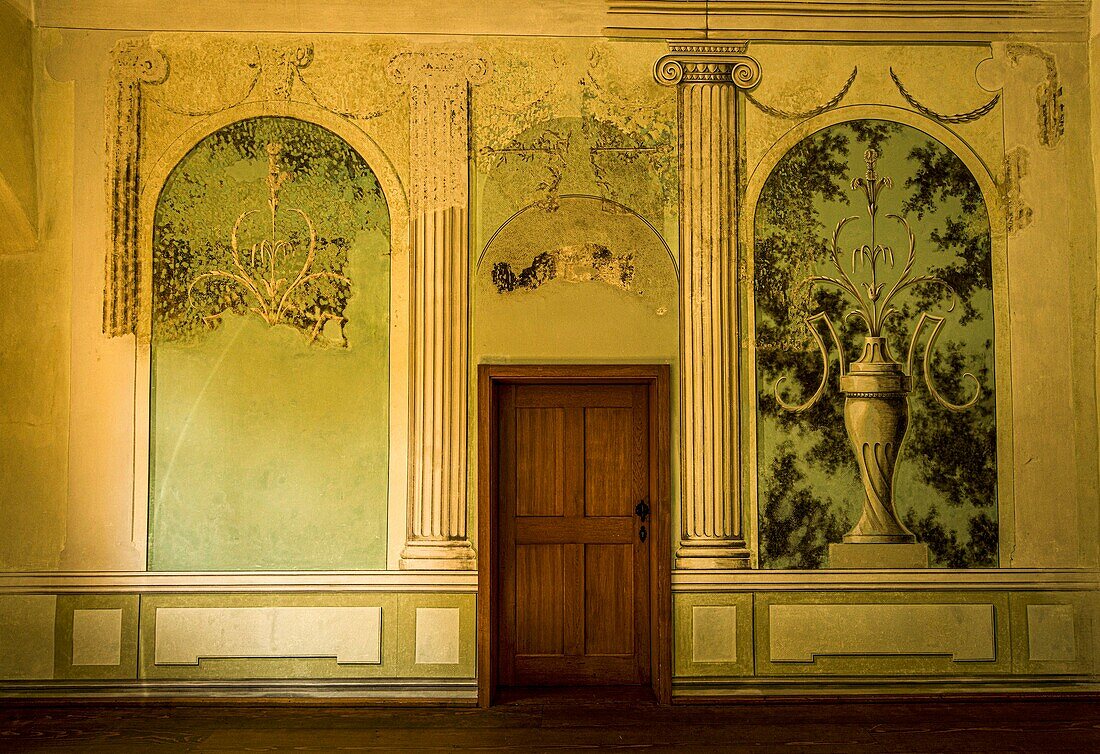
(808, 482)
(270, 451)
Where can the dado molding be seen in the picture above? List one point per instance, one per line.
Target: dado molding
(893, 580)
(101, 582)
(695, 581)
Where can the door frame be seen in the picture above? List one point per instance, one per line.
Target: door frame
(490, 378)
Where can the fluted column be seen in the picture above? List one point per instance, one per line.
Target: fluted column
(438, 86)
(709, 78)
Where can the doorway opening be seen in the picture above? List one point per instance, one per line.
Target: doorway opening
(573, 528)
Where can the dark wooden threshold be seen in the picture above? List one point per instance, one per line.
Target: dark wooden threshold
(586, 695)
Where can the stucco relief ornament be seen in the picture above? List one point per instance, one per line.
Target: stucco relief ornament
(876, 388)
(443, 66)
(289, 62)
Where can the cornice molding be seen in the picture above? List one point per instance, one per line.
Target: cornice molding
(849, 20)
(565, 18)
(853, 20)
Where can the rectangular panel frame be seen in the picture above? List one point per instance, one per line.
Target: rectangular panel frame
(883, 663)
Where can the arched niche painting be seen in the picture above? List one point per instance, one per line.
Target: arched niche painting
(269, 409)
(930, 304)
(588, 279)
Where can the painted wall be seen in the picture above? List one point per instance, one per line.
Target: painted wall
(266, 456)
(17, 159)
(35, 402)
(947, 477)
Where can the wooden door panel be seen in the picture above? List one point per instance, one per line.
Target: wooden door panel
(609, 599)
(540, 457)
(530, 530)
(573, 463)
(609, 459)
(540, 594)
(575, 396)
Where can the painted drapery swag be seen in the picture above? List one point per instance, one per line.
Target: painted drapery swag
(813, 490)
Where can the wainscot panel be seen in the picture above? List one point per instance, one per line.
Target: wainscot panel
(96, 636)
(27, 636)
(227, 636)
(1052, 632)
(713, 635)
(880, 633)
(436, 636)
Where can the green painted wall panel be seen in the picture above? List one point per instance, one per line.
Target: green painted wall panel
(270, 667)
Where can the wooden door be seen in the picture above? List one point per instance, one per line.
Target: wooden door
(574, 565)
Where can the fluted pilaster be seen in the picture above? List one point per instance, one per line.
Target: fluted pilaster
(438, 85)
(135, 65)
(708, 78)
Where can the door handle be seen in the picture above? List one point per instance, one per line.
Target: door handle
(642, 510)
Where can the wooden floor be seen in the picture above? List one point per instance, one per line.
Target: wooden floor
(544, 724)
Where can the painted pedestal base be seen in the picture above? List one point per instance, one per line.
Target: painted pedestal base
(852, 555)
(438, 555)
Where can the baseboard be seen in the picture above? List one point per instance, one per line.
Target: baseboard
(882, 688)
(433, 692)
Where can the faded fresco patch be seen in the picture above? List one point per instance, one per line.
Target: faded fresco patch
(808, 482)
(585, 240)
(575, 264)
(590, 279)
(270, 355)
(538, 135)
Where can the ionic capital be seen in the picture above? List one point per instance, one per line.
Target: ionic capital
(707, 63)
(440, 65)
(138, 62)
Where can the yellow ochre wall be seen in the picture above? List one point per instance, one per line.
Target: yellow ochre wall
(550, 103)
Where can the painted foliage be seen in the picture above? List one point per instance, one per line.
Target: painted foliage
(270, 354)
(808, 482)
(259, 219)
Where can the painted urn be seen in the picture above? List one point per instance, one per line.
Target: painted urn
(875, 386)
